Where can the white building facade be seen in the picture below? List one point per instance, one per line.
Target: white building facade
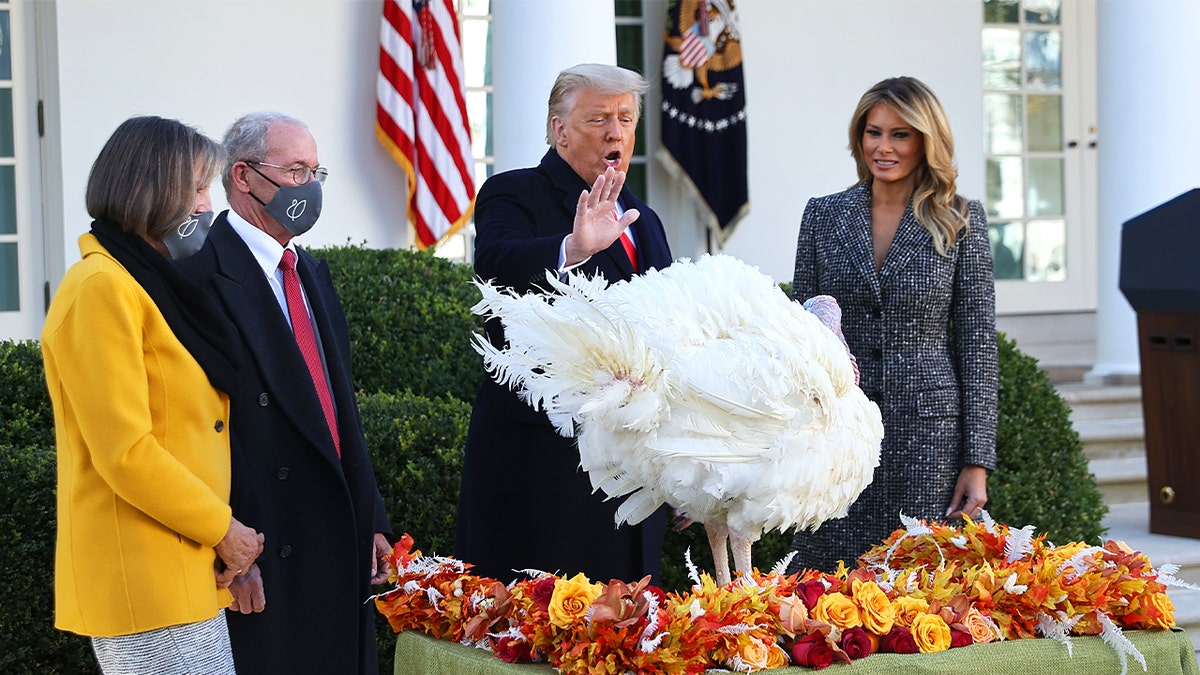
(1070, 116)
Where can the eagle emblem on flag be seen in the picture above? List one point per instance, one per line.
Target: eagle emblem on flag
(704, 110)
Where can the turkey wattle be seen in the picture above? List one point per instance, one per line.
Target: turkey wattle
(701, 386)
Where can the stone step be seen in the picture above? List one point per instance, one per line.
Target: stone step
(1112, 438)
(1090, 402)
(1122, 480)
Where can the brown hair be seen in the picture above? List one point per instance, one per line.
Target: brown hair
(935, 200)
(146, 176)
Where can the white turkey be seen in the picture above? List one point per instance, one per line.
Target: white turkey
(701, 386)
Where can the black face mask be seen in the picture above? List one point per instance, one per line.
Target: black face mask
(296, 207)
(190, 236)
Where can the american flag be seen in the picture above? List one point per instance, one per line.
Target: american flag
(421, 114)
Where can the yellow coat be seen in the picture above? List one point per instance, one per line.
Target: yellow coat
(143, 458)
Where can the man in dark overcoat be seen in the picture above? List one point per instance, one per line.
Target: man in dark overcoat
(525, 503)
(301, 472)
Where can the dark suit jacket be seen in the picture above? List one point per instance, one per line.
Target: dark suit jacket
(923, 329)
(524, 502)
(319, 513)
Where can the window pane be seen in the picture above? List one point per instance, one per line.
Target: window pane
(1043, 59)
(1002, 130)
(1042, 12)
(1045, 123)
(10, 291)
(475, 50)
(479, 112)
(1001, 58)
(635, 179)
(1000, 11)
(5, 47)
(1045, 187)
(628, 7)
(6, 123)
(8, 200)
(1046, 250)
(630, 51)
(1005, 189)
(631, 55)
(1008, 245)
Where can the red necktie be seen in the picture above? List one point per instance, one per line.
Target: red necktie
(307, 341)
(630, 249)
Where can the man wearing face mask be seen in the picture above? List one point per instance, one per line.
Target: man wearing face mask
(301, 472)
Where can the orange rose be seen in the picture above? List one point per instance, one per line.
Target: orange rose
(908, 609)
(571, 598)
(792, 615)
(838, 610)
(878, 614)
(776, 657)
(931, 633)
(981, 628)
(755, 653)
(1159, 611)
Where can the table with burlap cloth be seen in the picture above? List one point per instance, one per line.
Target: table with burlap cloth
(1167, 652)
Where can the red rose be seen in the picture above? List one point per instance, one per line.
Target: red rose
(809, 591)
(855, 642)
(542, 591)
(960, 638)
(513, 651)
(812, 651)
(899, 641)
(659, 594)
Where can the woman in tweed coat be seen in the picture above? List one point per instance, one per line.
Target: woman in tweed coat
(909, 262)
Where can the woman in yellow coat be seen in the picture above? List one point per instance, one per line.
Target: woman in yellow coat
(137, 363)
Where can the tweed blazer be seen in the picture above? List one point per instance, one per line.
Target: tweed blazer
(923, 330)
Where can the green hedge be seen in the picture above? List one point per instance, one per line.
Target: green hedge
(410, 320)
(1041, 475)
(416, 446)
(26, 418)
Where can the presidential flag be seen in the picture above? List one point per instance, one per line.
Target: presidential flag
(704, 110)
(421, 114)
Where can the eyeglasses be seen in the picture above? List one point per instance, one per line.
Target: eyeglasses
(301, 175)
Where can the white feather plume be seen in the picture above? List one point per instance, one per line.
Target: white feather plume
(701, 386)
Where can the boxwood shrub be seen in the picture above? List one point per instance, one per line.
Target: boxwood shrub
(410, 320)
(1041, 475)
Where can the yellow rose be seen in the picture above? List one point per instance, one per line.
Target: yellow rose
(776, 658)
(1158, 609)
(907, 609)
(981, 628)
(754, 653)
(838, 610)
(931, 633)
(571, 598)
(876, 609)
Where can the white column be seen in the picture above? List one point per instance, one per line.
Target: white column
(532, 41)
(1148, 68)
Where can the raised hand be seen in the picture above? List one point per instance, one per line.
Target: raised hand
(595, 227)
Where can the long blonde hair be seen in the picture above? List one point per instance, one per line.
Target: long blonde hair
(935, 200)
